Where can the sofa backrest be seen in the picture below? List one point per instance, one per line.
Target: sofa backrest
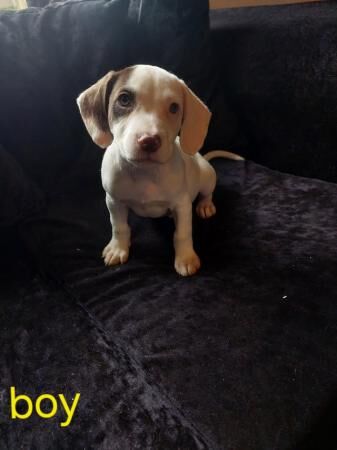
(49, 55)
(279, 73)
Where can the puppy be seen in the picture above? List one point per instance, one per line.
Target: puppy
(152, 126)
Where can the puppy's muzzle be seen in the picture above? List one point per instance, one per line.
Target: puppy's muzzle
(149, 144)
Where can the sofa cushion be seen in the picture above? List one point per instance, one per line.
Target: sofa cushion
(19, 196)
(247, 347)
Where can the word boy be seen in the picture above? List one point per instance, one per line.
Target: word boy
(50, 406)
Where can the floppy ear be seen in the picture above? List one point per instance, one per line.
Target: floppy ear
(196, 118)
(93, 104)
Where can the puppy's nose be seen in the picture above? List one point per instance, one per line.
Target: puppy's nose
(149, 144)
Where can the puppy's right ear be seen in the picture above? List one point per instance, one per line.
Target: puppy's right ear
(93, 104)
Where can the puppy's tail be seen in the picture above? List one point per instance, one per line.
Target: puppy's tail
(222, 154)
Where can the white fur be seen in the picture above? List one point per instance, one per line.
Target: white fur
(166, 181)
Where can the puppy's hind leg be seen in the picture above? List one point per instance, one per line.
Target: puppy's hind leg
(205, 207)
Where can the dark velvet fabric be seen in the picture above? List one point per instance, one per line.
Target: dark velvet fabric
(51, 345)
(246, 348)
(280, 76)
(19, 196)
(48, 56)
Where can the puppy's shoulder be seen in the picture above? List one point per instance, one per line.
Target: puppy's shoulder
(111, 171)
(191, 160)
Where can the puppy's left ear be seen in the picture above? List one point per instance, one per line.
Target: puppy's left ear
(93, 104)
(196, 118)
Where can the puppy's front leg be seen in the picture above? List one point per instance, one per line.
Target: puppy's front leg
(117, 251)
(186, 261)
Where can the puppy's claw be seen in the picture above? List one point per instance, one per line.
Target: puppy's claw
(187, 265)
(205, 210)
(114, 254)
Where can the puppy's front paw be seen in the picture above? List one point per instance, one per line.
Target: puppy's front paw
(115, 253)
(205, 208)
(187, 264)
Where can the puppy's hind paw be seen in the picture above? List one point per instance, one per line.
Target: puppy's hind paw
(205, 208)
(114, 253)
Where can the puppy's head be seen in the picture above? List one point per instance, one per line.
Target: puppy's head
(143, 109)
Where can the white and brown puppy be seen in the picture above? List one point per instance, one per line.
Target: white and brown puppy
(152, 126)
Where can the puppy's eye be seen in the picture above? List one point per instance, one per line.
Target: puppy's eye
(174, 108)
(125, 99)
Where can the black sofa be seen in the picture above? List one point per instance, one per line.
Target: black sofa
(244, 354)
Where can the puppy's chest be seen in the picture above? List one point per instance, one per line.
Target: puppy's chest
(146, 198)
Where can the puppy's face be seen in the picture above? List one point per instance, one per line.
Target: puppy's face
(143, 109)
(145, 113)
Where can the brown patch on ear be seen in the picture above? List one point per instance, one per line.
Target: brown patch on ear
(94, 108)
(96, 101)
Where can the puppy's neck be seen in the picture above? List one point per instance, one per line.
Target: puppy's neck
(148, 170)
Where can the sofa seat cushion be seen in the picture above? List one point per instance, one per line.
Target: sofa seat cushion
(247, 347)
(50, 345)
